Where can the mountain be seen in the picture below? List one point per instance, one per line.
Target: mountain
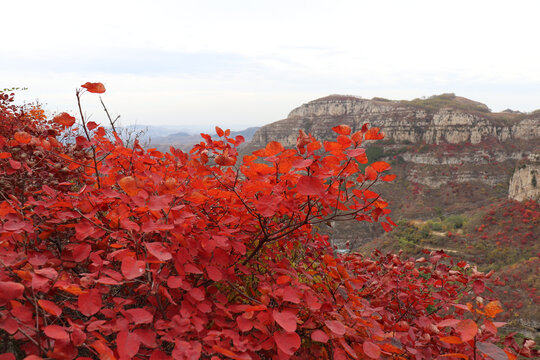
(450, 153)
(185, 141)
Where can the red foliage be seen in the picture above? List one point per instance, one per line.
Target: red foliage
(109, 251)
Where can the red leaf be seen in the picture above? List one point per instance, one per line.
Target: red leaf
(97, 88)
(64, 119)
(127, 344)
(273, 148)
(5, 155)
(373, 134)
(309, 185)
(10, 290)
(448, 322)
(16, 165)
(355, 152)
(336, 327)
(140, 316)
(158, 251)
(105, 353)
(7, 356)
(388, 177)
(159, 202)
(219, 131)
(174, 282)
(89, 302)
(478, 286)
(197, 294)
(244, 324)
(214, 273)
(91, 125)
(50, 307)
(225, 352)
(320, 336)
(491, 350)
(132, 268)
(372, 350)
(287, 342)
(56, 332)
(225, 160)
(287, 320)
(22, 137)
(386, 227)
(12, 225)
(342, 129)
(467, 329)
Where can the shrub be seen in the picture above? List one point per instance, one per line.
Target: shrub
(132, 253)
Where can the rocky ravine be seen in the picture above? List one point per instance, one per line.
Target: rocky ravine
(451, 154)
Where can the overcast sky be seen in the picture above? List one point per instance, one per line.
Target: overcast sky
(196, 64)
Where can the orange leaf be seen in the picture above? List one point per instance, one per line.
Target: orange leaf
(493, 308)
(342, 129)
(22, 137)
(64, 119)
(129, 185)
(380, 166)
(105, 353)
(374, 134)
(97, 88)
(458, 355)
(451, 339)
(371, 174)
(274, 148)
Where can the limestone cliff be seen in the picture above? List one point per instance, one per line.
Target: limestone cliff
(525, 182)
(456, 120)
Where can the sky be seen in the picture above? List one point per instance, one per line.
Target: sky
(236, 64)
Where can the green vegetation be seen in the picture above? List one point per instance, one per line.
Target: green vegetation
(437, 102)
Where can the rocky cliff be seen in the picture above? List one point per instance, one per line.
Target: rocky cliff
(453, 120)
(450, 153)
(525, 182)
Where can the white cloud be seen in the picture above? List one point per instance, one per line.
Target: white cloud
(243, 63)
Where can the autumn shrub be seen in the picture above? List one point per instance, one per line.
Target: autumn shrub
(110, 251)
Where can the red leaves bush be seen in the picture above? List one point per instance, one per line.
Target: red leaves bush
(113, 252)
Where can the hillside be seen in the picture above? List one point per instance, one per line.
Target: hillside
(503, 237)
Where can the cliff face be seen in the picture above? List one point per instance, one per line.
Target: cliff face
(451, 154)
(402, 122)
(525, 182)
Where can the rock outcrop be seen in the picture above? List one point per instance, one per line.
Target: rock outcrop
(525, 182)
(417, 122)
